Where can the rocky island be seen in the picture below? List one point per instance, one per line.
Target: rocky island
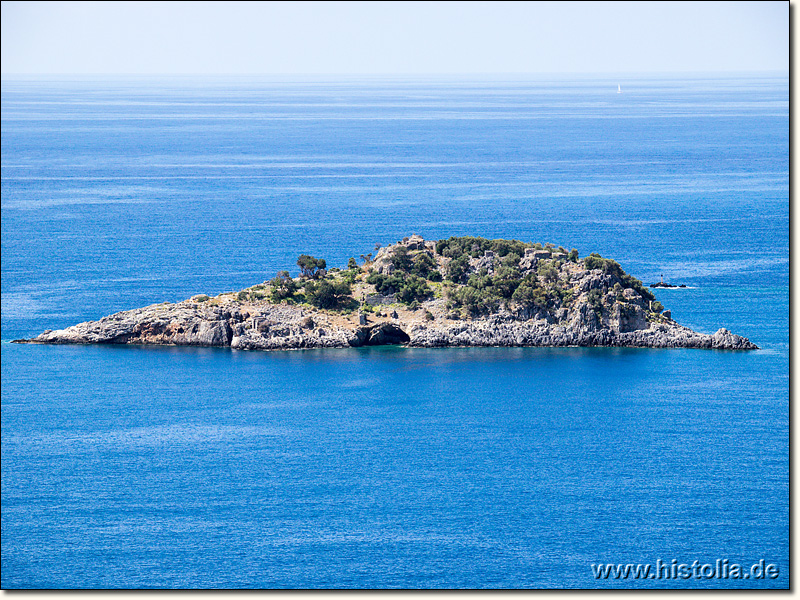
(462, 291)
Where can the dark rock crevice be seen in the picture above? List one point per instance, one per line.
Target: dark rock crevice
(387, 334)
(382, 334)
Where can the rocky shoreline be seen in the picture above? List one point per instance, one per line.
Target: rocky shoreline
(593, 307)
(282, 328)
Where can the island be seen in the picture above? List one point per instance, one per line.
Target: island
(661, 284)
(664, 284)
(456, 292)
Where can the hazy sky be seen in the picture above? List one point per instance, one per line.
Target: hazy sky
(393, 38)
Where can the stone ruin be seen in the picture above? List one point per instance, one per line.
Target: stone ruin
(415, 242)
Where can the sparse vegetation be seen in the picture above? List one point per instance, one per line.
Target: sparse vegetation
(548, 272)
(611, 267)
(595, 298)
(481, 276)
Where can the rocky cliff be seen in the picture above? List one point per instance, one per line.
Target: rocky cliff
(456, 292)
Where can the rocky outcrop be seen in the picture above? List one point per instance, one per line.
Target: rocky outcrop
(533, 333)
(284, 328)
(568, 304)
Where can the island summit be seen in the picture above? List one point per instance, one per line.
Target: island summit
(462, 291)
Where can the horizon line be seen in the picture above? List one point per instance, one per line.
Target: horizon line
(785, 72)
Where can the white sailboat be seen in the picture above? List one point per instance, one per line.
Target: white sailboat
(619, 89)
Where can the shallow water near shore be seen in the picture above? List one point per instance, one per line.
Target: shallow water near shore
(389, 466)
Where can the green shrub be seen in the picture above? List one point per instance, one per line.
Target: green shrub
(455, 247)
(529, 294)
(547, 272)
(424, 266)
(413, 289)
(283, 287)
(594, 261)
(506, 281)
(350, 275)
(475, 301)
(400, 259)
(595, 299)
(479, 281)
(407, 288)
(457, 268)
(386, 284)
(505, 247)
(352, 264)
(325, 294)
(511, 260)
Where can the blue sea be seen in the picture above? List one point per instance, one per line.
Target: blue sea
(389, 467)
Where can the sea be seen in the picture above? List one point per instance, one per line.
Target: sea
(392, 467)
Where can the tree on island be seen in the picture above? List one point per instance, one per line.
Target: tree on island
(401, 260)
(326, 294)
(283, 286)
(310, 267)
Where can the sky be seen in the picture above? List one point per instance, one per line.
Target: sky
(393, 38)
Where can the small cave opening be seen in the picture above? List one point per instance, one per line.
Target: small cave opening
(386, 335)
